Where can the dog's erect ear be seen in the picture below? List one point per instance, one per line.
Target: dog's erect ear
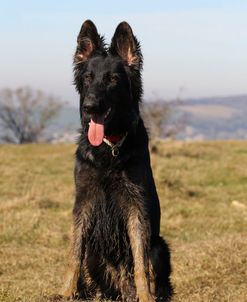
(125, 45)
(88, 42)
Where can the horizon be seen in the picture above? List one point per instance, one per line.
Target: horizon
(192, 50)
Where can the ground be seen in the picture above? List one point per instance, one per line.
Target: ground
(203, 193)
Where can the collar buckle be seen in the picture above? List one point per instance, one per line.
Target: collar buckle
(114, 151)
(115, 147)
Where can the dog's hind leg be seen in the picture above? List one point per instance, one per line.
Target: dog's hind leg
(161, 268)
(137, 236)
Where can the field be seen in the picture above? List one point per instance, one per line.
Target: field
(203, 193)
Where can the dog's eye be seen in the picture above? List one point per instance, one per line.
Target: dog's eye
(114, 79)
(88, 78)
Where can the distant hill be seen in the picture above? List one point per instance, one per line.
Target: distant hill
(216, 118)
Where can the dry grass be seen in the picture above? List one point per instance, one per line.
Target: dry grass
(202, 187)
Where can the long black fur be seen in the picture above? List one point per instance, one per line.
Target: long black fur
(109, 189)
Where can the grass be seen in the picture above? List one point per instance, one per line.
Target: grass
(202, 188)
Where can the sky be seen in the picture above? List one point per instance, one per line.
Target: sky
(191, 48)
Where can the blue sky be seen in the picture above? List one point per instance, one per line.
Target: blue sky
(199, 46)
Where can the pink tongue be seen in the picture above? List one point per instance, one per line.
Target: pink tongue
(96, 130)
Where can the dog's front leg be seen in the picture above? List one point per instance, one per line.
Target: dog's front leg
(137, 235)
(73, 272)
(77, 253)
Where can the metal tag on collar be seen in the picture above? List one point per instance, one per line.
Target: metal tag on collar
(114, 151)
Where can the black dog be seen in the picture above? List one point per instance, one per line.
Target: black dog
(117, 252)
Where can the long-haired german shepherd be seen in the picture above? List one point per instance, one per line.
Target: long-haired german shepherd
(117, 251)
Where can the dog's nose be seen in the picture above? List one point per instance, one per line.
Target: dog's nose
(90, 104)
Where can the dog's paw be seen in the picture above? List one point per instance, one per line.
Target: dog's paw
(146, 298)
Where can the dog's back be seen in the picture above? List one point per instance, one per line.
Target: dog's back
(117, 252)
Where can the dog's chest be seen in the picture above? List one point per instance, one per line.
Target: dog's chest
(108, 233)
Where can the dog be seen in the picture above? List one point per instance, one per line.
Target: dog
(117, 252)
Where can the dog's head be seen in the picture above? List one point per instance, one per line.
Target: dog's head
(108, 81)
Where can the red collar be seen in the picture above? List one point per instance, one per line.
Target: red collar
(114, 138)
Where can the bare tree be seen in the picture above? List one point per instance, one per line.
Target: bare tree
(24, 114)
(161, 120)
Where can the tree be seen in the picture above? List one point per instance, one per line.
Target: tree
(25, 114)
(162, 120)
